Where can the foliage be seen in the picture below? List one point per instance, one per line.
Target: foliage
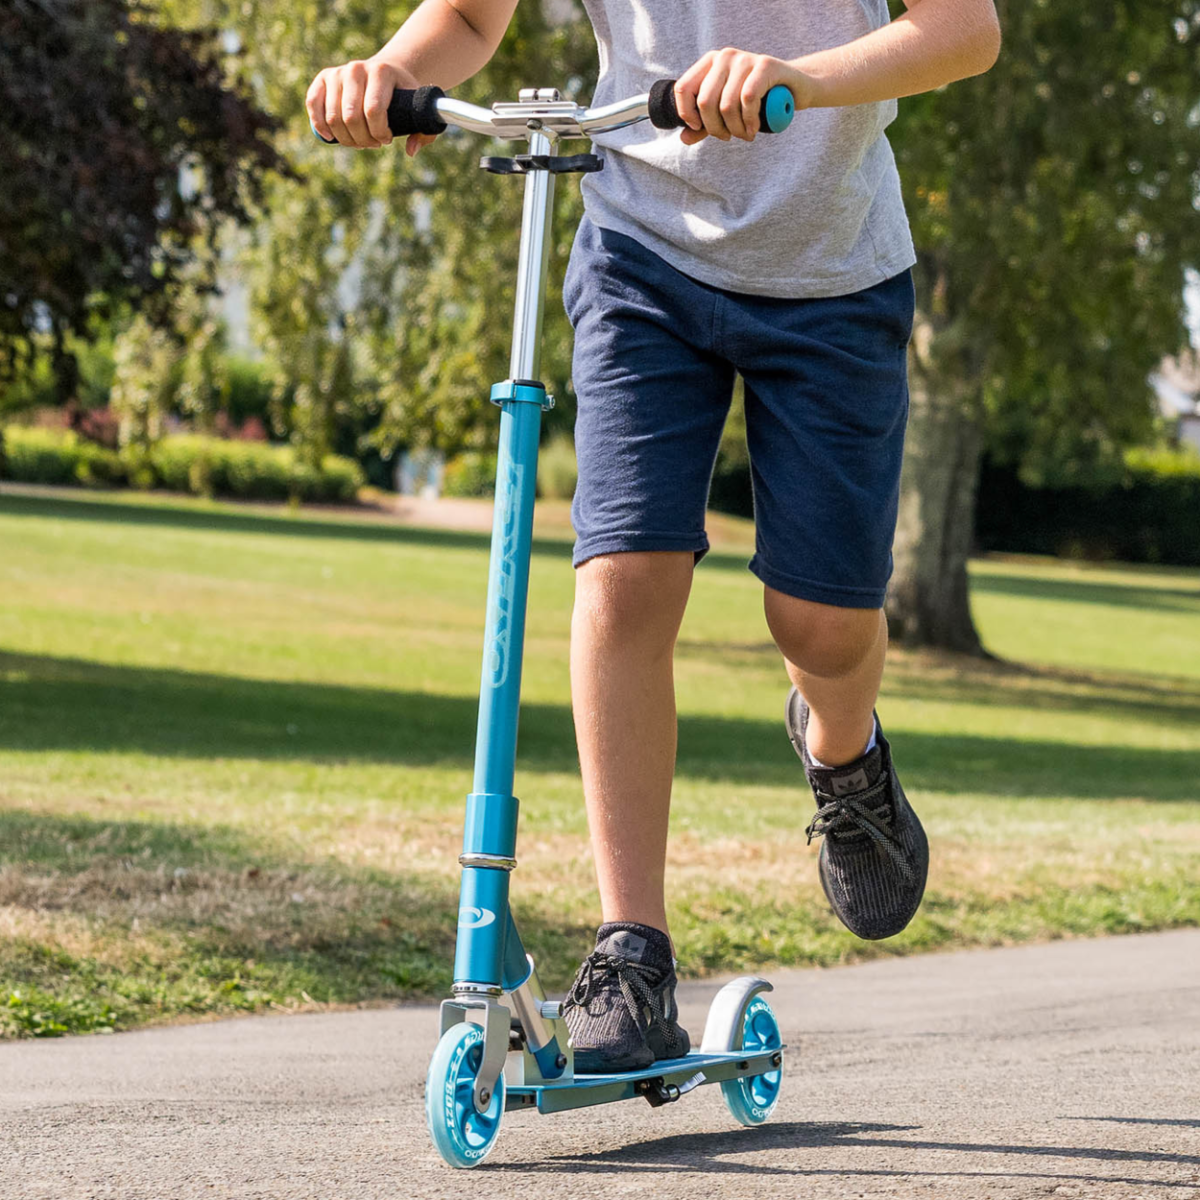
(182, 463)
(32, 383)
(471, 473)
(250, 390)
(1144, 512)
(251, 470)
(382, 288)
(57, 457)
(1054, 205)
(176, 367)
(147, 363)
(731, 490)
(122, 143)
(557, 471)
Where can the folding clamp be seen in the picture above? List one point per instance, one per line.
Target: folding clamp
(528, 390)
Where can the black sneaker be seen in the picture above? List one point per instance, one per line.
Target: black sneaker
(875, 856)
(621, 1009)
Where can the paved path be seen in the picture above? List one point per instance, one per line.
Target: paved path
(1068, 1070)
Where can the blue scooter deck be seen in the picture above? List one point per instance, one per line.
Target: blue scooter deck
(585, 1090)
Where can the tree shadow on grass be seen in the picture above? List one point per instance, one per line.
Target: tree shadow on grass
(1048, 689)
(1086, 591)
(66, 704)
(185, 918)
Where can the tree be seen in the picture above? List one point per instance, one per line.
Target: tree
(104, 108)
(382, 288)
(1054, 206)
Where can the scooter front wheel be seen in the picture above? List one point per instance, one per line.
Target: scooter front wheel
(462, 1134)
(751, 1101)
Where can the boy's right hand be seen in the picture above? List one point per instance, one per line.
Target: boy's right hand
(349, 104)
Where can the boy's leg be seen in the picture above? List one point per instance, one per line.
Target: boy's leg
(826, 402)
(621, 1009)
(834, 656)
(628, 608)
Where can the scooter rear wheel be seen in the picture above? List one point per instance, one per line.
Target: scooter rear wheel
(463, 1135)
(751, 1101)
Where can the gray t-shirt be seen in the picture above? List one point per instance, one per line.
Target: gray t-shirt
(813, 211)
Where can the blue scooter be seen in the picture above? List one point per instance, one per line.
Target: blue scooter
(503, 1044)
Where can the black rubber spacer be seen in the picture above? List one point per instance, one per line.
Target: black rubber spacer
(415, 111)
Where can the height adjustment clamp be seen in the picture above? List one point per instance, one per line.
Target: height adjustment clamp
(527, 390)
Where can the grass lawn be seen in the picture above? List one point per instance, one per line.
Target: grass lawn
(234, 748)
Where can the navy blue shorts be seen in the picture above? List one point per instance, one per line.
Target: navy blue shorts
(826, 394)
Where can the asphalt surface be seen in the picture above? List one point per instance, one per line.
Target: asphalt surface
(1068, 1070)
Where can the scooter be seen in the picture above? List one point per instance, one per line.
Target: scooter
(503, 1044)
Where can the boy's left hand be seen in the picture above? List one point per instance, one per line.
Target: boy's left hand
(721, 93)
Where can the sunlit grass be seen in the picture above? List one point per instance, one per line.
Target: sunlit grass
(234, 748)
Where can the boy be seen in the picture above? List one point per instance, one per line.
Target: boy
(699, 257)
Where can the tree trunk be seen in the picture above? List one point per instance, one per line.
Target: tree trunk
(928, 602)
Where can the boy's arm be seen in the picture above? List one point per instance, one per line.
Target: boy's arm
(443, 42)
(934, 43)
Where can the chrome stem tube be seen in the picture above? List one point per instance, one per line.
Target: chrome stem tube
(535, 258)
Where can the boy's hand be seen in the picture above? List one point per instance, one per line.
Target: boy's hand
(721, 94)
(350, 103)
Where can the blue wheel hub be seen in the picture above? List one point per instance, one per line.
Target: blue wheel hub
(751, 1101)
(462, 1134)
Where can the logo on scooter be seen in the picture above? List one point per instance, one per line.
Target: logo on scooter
(475, 918)
(506, 499)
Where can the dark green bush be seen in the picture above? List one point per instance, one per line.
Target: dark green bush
(1149, 515)
(181, 463)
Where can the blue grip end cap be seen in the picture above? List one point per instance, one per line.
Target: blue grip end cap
(779, 108)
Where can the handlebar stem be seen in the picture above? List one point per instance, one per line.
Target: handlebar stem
(533, 262)
(565, 119)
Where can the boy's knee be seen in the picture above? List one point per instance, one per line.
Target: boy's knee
(821, 639)
(634, 594)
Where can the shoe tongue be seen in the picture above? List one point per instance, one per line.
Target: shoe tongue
(854, 777)
(638, 943)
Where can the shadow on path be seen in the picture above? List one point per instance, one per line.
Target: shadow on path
(705, 1153)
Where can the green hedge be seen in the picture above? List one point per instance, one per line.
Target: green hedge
(1151, 514)
(54, 456)
(471, 473)
(180, 463)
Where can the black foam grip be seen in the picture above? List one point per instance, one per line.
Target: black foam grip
(665, 115)
(415, 111)
(662, 110)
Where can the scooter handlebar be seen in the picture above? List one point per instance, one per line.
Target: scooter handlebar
(415, 111)
(411, 110)
(429, 110)
(774, 115)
